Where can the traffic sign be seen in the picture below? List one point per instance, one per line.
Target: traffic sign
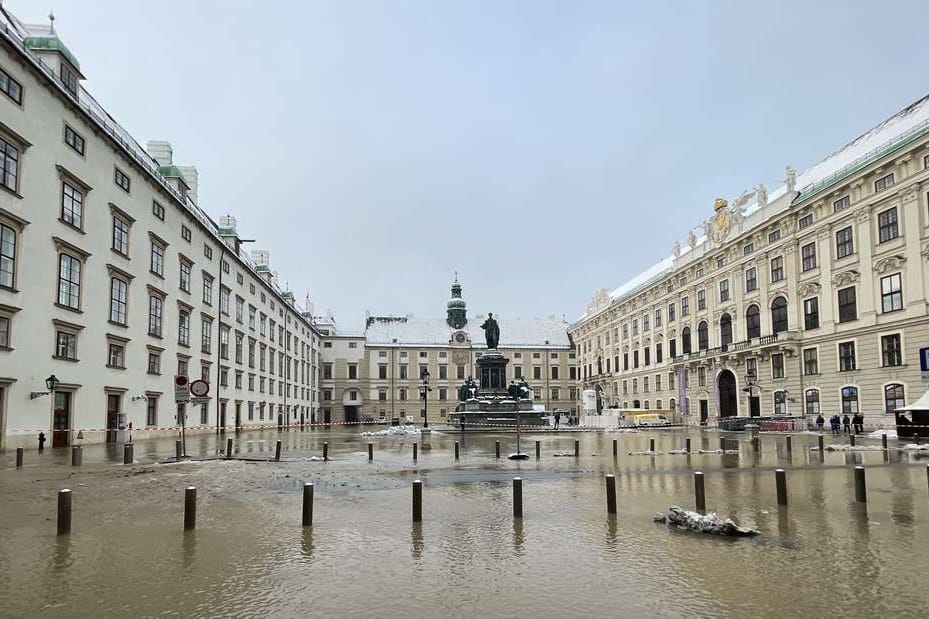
(924, 359)
(181, 388)
(199, 388)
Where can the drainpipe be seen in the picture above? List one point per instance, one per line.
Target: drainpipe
(219, 326)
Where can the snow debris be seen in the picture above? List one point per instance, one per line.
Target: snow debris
(703, 523)
(915, 447)
(394, 431)
(646, 453)
(846, 447)
(891, 434)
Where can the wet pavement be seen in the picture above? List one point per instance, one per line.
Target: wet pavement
(127, 554)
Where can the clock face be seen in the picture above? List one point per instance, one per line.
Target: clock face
(460, 337)
(460, 357)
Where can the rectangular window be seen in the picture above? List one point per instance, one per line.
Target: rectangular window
(208, 253)
(207, 289)
(158, 259)
(844, 243)
(805, 221)
(120, 236)
(121, 179)
(72, 205)
(658, 317)
(777, 365)
(116, 356)
(701, 300)
(846, 356)
(751, 279)
(891, 351)
(887, 228)
(808, 256)
(206, 335)
(68, 78)
(74, 140)
(154, 362)
(885, 182)
(66, 345)
(183, 328)
(403, 372)
(685, 306)
(670, 312)
(701, 376)
(811, 313)
(536, 373)
(810, 361)
(184, 282)
(748, 248)
(777, 268)
(9, 165)
(224, 301)
(891, 293)
(724, 290)
(842, 203)
(645, 324)
(119, 298)
(158, 210)
(848, 306)
(382, 372)
(11, 88)
(155, 310)
(4, 332)
(352, 371)
(186, 234)
(69, 281)
(554, 370)
(774, 236)
(7, 256)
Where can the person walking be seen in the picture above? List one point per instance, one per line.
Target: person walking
(846, 424)
(820, 422)
(835, 422)
(858, 423)
(557, 418)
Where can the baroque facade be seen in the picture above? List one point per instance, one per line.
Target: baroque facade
(113, 279)
(375, 375)
(810, 300)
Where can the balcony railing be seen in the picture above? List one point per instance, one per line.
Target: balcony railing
(749, 344)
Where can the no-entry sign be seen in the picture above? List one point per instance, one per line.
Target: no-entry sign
(181, 388)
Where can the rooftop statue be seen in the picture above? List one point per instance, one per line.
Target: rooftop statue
(762, 192)
(491, 331)
(791, 180)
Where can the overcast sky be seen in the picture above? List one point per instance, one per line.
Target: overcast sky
(541, 149)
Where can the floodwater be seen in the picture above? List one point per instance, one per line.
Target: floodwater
(127, 554)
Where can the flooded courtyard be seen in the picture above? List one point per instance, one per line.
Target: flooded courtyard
(127, 554)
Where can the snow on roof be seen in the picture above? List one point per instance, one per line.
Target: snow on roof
(534, 332)
(897, 130)
(922, 404)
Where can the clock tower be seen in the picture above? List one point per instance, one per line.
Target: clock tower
(457, 310)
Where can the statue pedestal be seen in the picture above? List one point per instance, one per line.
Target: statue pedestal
(492, 372)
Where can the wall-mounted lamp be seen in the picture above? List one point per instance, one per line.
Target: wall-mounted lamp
(136, 398)
(37, 394)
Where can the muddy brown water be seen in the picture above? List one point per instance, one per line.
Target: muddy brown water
(128, 556)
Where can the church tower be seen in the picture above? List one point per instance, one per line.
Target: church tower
(457, 308)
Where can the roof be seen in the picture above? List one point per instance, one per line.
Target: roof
(53, 43)
(892, 134)
(514, 332)
(922, 404)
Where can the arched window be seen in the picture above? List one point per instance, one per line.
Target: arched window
(753, 322)
(893, 397)
(849, 400)
(646, 405)
(780, 403)
(636, 404)
(703, 336)
(685, 340)
(725, 330)
(671, 404)
(779, 315)
(626, 404)
(812, 401)
(658, 404)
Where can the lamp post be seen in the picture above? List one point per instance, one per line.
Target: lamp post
(424, 390)
(750, 385)
(51, 383)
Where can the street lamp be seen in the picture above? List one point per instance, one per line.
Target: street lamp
(424, 390)
(750, 385)
(51, 383)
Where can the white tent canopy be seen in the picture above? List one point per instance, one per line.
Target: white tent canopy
(922, 404)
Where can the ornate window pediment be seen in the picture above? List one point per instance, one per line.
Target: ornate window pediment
(890, 263)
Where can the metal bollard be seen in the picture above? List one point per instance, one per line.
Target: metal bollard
(687, 444)
(417, 501)
(190, 508)
(821, 443)
(370, 452)
(325, 451)
(64, 511)
(457, 450)
(883, 441)
(77, 455)
(497, 448)
(861, 491)
(851, 440)
(177, 450)
(127, 453)
(19, 457)
(415, 450)
(699, 492)
(517, 497)
(722, 443)
(651, 444)
(615, 448)
(229, 447)
(789, 446)
(577, 448)
(307, 504)
(610, 494)
(277, 451)
(538, 449)
(780, 481)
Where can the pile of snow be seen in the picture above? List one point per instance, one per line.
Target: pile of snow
(623, 430)
(703, 523)
(891, 434)
(563, 454)
(646, 453)
(314, 459)
(394, 431)
(846, 447)
(915, 447)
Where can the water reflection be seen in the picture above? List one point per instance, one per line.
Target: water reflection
(417, 543)
(306, 543)
(62, 557)
(518, 538)
(189, 550)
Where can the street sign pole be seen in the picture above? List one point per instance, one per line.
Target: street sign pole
(182, 396)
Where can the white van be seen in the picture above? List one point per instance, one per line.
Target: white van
(651, 420)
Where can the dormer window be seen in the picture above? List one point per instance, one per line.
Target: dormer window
(68, 78)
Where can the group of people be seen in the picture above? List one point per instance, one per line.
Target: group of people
(845, 424)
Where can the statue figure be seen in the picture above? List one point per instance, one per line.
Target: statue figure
(692, 239)
(463, 392)
(791, 180)
(491, 331)
(472, 387)
(522, 389)
(676, 250)
(762, 193)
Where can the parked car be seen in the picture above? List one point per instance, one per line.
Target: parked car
(651, 420)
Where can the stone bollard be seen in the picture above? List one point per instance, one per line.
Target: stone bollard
(687, 444)
(610, 494)
(370, 452)
(128, 453)
(699, 492)
(415, 451)
(497, 448)
(190, 508)
(780, 482)
(307, 504)
(457, 451)
(229, 447)
(517, 497)
(417, 501)
(789, 446)
(77, 455)
(325, 451)
(64, 511)
(577, 448)
(177, 450)
(883, 441)
(538, 449)
(277, 451)
(861, 491)
(851, 440)
(651, 444)
(19, 457)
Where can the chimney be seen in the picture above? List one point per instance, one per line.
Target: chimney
(193, 180)
(161, 151)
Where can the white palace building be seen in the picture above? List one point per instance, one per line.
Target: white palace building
(113, 279)
(809, 299)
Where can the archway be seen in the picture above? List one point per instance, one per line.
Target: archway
(728, 394)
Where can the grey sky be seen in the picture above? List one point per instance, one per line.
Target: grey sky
(542, 149)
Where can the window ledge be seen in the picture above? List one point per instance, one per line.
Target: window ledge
(902, 366)
(72, 360)
(120, 254)
(7, 348)
(156, 274)
(116, 367)
(9, 289)
(121, 325)
(70, 309)
(12, 192)
(72, 226)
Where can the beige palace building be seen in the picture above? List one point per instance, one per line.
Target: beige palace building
(808, 299)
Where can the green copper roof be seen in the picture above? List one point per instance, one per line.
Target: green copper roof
(172, 171)
(52, 43)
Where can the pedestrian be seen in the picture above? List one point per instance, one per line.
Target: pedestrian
(557, 417)
(820, 422)
(835, 422)
(846, 424)
(858, 423)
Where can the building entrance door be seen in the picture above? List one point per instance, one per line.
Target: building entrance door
(61, 420)
(351, 414)
(112, 417)
(704, 412)
(238, 417)
(754, 406)
(728, 396)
